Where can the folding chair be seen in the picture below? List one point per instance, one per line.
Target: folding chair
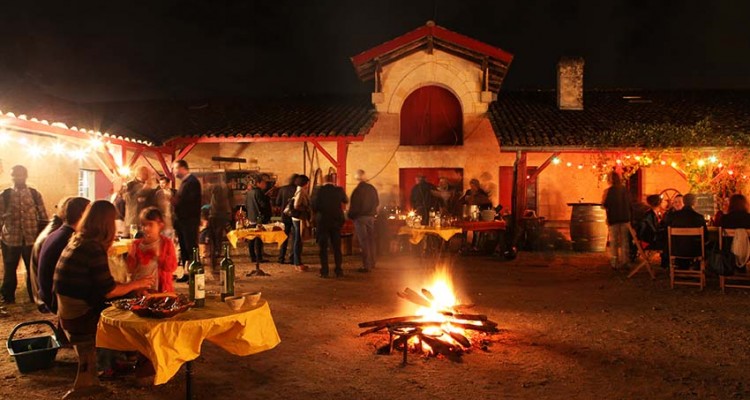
(644, 256)
(738, 280)
(687, 276)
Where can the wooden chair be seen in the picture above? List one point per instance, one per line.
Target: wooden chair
(739, 280)
(687, 276)
(644, 256)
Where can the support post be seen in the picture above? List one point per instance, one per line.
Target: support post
(519, 188)
(342, 148)
(541, 168)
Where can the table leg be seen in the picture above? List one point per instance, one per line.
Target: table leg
(189, 380)
(257, 271)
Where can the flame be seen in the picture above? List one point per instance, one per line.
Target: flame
(442, 305)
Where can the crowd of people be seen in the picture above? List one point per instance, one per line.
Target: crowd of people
(650, 223)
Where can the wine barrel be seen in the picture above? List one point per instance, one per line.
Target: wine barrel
(588, 227)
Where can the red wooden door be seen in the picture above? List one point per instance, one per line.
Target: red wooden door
(408, 176)
(431, 115)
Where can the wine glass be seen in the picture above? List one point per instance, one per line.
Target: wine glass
(133, 230)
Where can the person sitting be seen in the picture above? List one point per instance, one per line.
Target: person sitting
(476, 196)
(721, 212)
(154, 254)
(737, 216)
(647, 226)
(82, 284)
(71, 211)
(686, 217)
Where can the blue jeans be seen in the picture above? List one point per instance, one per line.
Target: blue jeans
(364, 228)
(296, 242)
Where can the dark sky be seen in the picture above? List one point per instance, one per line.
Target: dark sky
(119, 50)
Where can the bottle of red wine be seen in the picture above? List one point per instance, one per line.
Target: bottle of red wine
(227, 275)
(197, 281)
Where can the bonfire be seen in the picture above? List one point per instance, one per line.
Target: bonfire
(440, 325)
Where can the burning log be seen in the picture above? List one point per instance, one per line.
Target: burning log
(428, 294)
(385, 322)
(440, 347)
(414, 297)
(460, 339)
(472, 327)
(465, 317)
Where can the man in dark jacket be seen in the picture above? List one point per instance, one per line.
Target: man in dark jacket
(362, 210)
(284, 195)
(53, 247)
(617, 204)
(422, 198)
(687, 217)
(258, 206)
(328, 205)
(187, 209)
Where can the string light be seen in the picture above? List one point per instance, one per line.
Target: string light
(673, 164)
(713, 160)
(662, 162)
(125, 171)
(555, 161)
(580, 166)
(568, 164)
(701, 163)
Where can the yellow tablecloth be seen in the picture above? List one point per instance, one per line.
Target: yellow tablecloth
(169, 343)
(277, 237)
(417, 234)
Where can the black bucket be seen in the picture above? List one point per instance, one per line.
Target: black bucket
(33, 354)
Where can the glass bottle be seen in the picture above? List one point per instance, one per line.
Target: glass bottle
(197, 281)
(226, 274)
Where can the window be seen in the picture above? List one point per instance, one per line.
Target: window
(431, 115)
(87, 184)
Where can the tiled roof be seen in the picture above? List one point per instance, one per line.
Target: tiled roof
(330, 116)
(29, 103)
(531, 119)
(431, 36)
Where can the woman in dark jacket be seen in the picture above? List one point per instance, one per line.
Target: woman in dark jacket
(83, 283)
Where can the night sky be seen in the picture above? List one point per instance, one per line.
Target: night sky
(123, 50)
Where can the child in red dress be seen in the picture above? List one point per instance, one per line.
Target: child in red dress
(154, 254)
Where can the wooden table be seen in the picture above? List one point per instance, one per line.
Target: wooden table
(170, 342)
(478, 226)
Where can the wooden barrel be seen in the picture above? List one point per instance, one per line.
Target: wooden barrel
(588, 227)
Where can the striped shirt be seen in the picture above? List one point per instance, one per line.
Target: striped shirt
(82, 279)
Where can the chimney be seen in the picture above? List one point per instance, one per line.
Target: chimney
(570, 83)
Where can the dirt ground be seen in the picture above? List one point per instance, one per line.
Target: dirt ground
(571, 328)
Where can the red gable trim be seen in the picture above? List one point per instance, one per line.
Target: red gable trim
(435, 31)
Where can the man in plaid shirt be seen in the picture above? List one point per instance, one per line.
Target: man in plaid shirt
(22, 213)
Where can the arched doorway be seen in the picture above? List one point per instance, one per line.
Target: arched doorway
(431, 115)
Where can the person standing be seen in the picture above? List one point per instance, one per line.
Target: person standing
(258, 206)
(187, 208)
(164, 196)
(422, 199)
(285, 194)
(362, 210)
(52, 226)
(219, 217)
(71, 212)
(300, 219)
(616, 202)
(138, 194)
(22, 214)
(327, 203)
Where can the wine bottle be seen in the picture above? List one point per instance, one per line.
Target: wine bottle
(227, 275)
(197, 281)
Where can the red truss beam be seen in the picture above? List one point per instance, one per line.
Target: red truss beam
(437, 32)
(176, 142)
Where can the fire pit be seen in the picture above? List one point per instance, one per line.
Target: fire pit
(440, 326)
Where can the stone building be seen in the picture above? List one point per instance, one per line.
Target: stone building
(437, 108)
